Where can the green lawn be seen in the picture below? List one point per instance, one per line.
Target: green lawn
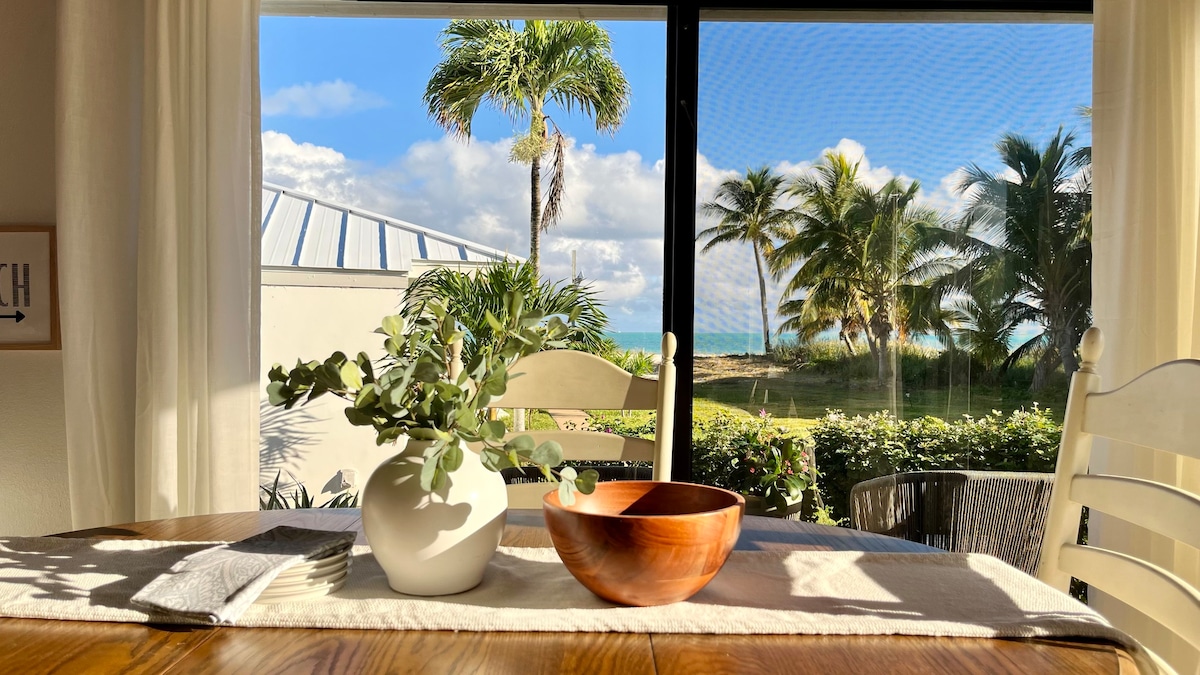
(804, 398)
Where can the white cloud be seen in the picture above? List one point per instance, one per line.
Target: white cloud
(612, 210)
(612, 216)
(323, 99)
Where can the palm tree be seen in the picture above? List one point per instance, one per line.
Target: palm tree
(471, 296)
(867, 254)
(748, 212)
(519, 73)
(1032, 234)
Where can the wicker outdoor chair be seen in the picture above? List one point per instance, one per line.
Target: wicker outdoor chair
(999, 513)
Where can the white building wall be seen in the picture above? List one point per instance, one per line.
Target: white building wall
(313, 443)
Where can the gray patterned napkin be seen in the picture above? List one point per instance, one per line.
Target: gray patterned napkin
(218, 584)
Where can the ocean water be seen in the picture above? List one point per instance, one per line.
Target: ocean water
(707, 344)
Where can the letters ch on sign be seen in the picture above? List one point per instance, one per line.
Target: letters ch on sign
(20, 285)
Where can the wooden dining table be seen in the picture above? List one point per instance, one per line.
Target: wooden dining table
(38, 646)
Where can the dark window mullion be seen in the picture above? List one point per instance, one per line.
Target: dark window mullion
(679, 247)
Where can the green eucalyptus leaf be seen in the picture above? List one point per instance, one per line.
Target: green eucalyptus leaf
(393, 325)
(427, 371)
(423, 434)
(278, 393)
(494, 460)
(368, 396)
(549, 453)
(393, 346)
(452, 458)
(277, 373)
(359, 418)
(350, 376)
(566, 492)
(429, 476)
(388, 435)
(495, 429)
(523, 443)
(586, 482)
(493, 322)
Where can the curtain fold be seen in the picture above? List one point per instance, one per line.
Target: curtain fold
(159, 216)
(1146, 243)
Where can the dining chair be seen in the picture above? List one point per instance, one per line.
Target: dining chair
(999, 513)
(570, 379)
(1158, 410)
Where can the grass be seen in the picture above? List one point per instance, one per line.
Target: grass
(823, 378)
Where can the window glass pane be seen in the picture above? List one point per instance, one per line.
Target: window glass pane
(371, 182)
(893, 222)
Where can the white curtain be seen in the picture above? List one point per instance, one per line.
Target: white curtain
(1146, 145)
(158, 207)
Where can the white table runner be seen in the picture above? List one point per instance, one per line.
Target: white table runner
(528, 589)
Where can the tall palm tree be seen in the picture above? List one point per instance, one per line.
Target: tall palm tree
(568, 63)
(747, 211)
(1032, 233)
(867, 253)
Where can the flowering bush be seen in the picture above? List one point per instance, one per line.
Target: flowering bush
(752, 456)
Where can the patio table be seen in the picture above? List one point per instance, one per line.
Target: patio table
(37, 646)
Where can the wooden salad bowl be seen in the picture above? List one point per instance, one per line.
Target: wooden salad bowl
(644, 542)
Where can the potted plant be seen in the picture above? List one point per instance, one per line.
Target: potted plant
(434, 513)
(767, 463)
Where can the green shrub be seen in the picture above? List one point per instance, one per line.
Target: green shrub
(849, 450)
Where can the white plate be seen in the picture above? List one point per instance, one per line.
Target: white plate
(306, 582)
(306, 568)
(292, 590)
(309, 594)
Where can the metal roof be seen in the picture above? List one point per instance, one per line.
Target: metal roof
(302, 231)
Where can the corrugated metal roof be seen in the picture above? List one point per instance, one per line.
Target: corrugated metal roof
(302, 231)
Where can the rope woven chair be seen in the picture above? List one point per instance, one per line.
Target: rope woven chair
(999, 513)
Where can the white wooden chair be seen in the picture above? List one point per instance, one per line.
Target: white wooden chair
(563, 378)
(1160, 409)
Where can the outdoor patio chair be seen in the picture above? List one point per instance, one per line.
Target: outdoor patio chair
(999, 513)
(1156, 411)
(564, 378)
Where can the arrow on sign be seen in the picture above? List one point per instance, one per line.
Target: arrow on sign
(18, 316)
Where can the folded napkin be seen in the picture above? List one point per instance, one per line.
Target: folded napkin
(217, 585)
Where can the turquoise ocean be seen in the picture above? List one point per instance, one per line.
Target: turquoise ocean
(717, 344)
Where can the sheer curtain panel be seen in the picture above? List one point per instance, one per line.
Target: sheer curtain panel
(158, 207)
(1146, 243)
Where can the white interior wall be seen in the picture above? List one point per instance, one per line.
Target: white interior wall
(315, 442)
(33, 459)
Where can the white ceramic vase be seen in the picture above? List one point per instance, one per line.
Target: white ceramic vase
(433, 543)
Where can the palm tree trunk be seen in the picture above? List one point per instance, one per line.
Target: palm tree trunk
(535, 213)
(762, 297)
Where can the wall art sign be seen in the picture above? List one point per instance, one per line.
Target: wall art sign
(28, 287)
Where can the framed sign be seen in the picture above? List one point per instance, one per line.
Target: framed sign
(28, 287)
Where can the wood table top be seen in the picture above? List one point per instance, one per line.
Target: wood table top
(36, 646)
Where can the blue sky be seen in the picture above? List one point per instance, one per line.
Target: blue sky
(343, 118)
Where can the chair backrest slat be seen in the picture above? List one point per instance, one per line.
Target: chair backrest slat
(1154, 591)
(1168, 394)
(562, 378)
(1164, 509)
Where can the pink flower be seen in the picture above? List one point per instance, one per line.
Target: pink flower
(762, 412)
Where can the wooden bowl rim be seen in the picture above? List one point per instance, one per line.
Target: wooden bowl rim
(739, 500)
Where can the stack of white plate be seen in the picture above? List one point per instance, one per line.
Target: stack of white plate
(308, 580)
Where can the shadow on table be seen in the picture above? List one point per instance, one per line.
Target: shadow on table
(925, 587)
(69, 570)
